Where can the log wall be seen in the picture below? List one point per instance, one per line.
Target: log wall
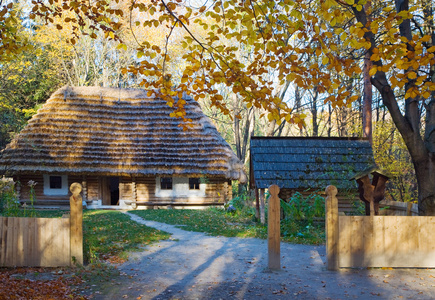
(140, 189)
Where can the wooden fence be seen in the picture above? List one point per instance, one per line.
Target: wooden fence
(34, 242)
(43, 242)
(377, 241)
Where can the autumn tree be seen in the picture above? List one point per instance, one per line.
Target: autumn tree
(397, 36)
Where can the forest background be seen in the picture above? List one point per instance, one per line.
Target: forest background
(178, 45)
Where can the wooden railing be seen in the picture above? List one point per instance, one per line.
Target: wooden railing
(377, 241)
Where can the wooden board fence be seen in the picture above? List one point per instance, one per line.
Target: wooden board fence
(44, 242)
(34, 242)
(378, 241)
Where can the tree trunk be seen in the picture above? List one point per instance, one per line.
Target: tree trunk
(367, 101)
(422, 150)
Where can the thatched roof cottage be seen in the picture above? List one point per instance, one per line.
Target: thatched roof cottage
(124, 148)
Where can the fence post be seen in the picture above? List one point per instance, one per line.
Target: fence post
(273, 229)
(331, 227)
(76, 224)
(262, 217)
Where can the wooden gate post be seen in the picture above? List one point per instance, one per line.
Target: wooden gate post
(331, 227)
(76, 224)
(273, 229)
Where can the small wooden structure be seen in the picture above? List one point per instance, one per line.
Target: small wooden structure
(371, 193)
(43, 242)
(125, 149)
(377, 241)
(307, 165)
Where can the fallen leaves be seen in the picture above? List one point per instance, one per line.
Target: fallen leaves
(37, 283)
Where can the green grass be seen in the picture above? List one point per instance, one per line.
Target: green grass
(110, 233)
(212, 221)
(217, 222)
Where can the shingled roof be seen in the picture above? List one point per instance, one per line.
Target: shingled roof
(110, 131)
(308, 162)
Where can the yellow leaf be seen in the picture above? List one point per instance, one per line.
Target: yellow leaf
(412, 75)
(318, 52)
(325, 60)
(343, 36)
(373, 70)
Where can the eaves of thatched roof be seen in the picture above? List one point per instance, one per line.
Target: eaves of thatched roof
(110, 131)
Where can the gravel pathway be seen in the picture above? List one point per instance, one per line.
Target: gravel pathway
(192, 265)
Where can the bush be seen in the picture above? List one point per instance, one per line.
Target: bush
(300, 216)
(9, 204)
(304, 209)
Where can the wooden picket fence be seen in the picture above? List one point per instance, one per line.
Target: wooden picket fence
(377, 241)
(43, 242)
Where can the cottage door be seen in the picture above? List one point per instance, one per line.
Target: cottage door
(110, 190)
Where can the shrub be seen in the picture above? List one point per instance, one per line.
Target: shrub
(9, 204)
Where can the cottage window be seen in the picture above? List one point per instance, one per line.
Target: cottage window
(55, 185)
(166, 183)
(55, 182)
(179, 187)
(194, 183)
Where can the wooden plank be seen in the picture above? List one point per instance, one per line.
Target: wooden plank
(76, 225)
(29, 242)
(19, 234)
(332, 228)
(43, 242)
(378, 240)
(3, 226)
(367, 240)
(356, 249)
(273, 229)
(345, 239)
(10, 243)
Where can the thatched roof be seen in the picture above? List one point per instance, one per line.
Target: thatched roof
(110, 131)
(308, 162)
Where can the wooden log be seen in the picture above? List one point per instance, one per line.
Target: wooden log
(76, 225)
(273, 229)
(332, 229)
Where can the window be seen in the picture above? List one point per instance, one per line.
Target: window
(166, 183)
(193, 183)
(55, 185)
(179, 187)
(55, 182)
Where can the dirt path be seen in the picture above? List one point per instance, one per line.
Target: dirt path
(195, 266)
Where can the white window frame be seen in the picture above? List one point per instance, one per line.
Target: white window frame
(63, 191)
(180, 188)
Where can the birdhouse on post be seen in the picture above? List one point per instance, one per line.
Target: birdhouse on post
(371, 193)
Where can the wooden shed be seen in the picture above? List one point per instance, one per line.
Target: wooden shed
(124, 148)
(309, 164)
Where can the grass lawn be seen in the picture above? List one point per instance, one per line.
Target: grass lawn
(215, 221)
